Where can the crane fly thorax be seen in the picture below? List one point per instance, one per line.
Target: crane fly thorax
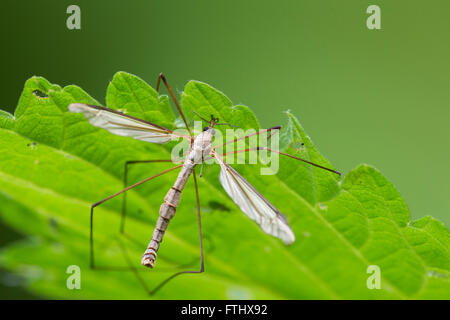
(202, 146)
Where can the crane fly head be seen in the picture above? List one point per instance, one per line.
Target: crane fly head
(209, 128)
(213, 122)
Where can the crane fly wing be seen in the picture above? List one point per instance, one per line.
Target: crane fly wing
(253, 204)
(124, 125)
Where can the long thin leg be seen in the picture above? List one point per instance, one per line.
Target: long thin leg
(251, 135)
(134, 269)
(91, 235)
(163, 78)
(202, 264)
(125, 183)
(284, 154)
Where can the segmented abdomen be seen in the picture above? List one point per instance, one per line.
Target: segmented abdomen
(167, 212)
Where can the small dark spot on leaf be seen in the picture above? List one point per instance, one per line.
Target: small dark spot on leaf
(32, 145)
(40, 94)
(218, 206)
(53, 223)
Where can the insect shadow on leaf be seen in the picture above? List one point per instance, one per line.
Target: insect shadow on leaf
(215, 205)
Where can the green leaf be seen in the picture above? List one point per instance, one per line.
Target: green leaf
(206, 101)
(6, 120)
(131, 95)
(54, 165)
(313, 183)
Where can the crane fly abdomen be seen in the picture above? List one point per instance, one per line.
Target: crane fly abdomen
(201, 147)
(166, 212)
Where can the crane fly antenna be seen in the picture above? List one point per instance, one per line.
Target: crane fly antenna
(200, 116)
(216, 124)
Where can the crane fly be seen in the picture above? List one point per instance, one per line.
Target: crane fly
(246, 197)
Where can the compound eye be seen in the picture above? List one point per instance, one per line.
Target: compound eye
(205, 128)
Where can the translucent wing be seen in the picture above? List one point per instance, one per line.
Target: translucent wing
(123, 125)
(253, 204)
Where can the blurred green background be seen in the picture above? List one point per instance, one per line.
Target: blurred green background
(375, 96)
